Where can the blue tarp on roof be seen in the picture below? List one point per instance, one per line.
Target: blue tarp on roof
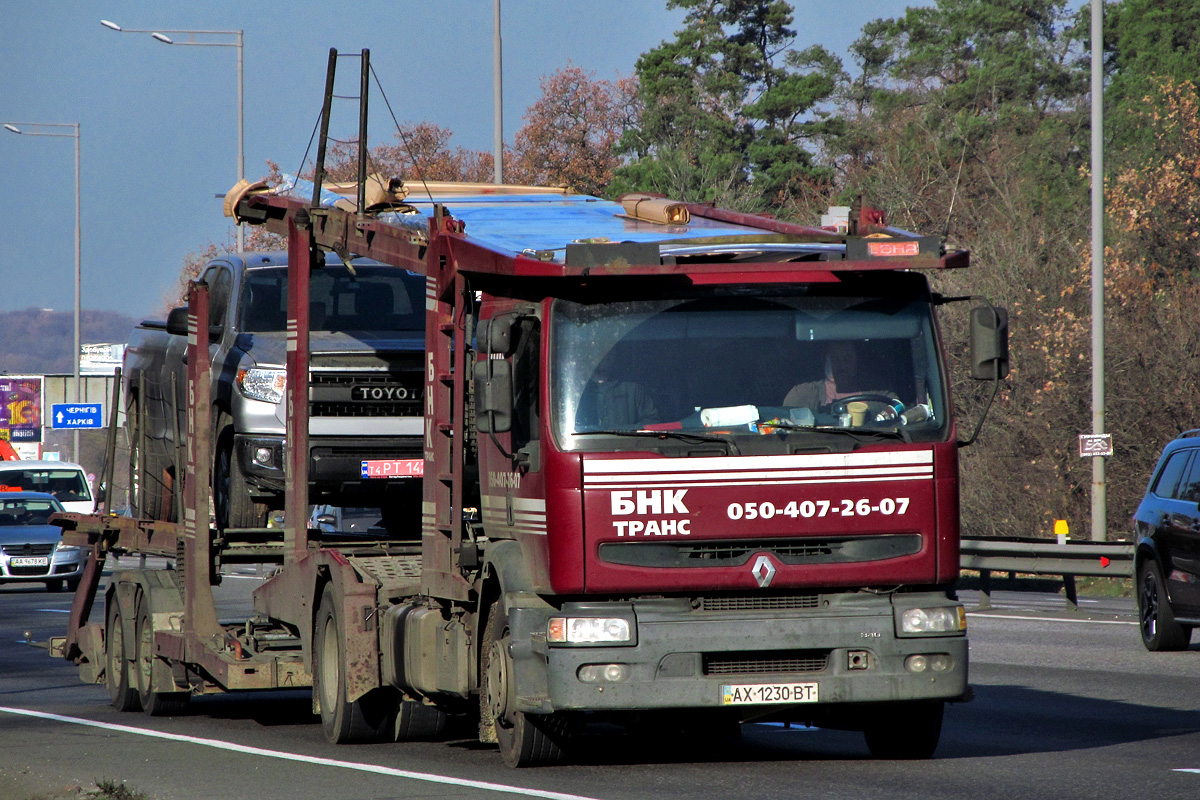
(518, 223)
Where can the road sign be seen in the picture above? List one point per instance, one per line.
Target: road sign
(1095, 444)
(77, 416)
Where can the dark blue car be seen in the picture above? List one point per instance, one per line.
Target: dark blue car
(31, 549)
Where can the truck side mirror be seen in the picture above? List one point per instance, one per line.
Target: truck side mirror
(495, 335)
(177, 321)
(989, 343)
(493, 396)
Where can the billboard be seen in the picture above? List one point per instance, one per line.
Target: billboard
(21, 409)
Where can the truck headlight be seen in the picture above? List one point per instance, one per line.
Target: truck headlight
(943, 619)
(267, 385)
(587, 630)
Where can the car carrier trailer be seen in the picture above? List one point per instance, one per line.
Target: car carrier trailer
(626, 511)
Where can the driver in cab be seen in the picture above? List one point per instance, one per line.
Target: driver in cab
(842, 380)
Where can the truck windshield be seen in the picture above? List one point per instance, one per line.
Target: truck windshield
(823, 359)
(374, 299)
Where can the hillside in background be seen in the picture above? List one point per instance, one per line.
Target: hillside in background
(37, 342)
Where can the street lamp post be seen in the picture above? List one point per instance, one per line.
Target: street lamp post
(161, 36)
(22, 128)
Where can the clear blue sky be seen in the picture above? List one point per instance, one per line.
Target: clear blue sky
(159, 123)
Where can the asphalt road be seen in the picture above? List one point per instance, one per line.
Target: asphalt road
(1067, 705)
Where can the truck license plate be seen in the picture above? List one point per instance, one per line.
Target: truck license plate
(745, 694)
(30, 561)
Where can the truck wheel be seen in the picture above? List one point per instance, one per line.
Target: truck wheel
(1160, 631)
(232, 503)
(369, 718)
(156, 704)
(526, 740)
(416, 722)
(905, 731)
(116, 666)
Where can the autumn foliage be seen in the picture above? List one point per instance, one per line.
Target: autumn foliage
(571, 132)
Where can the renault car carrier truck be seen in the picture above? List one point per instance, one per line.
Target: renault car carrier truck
(678, 462)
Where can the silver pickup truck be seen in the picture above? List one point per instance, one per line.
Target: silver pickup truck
(367, 340)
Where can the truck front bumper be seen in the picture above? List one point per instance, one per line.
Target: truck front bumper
(684, 658)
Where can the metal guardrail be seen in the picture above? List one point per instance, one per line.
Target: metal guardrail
(1045, 557)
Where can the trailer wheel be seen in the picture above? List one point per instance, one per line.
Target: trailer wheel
(369, 718)
(156, 704)
(416, 722)
(526, 740)
(116, 662)
(232, 503)
(907, 731)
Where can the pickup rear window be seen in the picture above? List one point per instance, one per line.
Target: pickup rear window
(375, 299)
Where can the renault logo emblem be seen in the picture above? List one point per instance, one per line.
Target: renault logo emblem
(763, 571)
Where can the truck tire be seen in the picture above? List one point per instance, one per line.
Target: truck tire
(368, 719)
(1160, 631)
(905, 731)
(116, 662)
(232, 504)
(526, 740)
(156, 704)
(417, 722)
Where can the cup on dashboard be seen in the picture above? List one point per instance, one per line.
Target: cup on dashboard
(858, 412)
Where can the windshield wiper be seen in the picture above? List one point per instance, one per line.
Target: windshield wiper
(694, 438)
(886, 433)
(877, 433)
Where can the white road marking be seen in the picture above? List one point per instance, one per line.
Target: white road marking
(56, 610)
(1197, 771)
(1052, 619)
(327, 762)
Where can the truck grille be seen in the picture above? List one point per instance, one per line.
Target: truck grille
(398, 393)
(842, 550)
(765, 662)
(784, 602)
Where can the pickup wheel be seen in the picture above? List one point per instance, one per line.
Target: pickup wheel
(368, 719)
(116, 662)
(526, 740)
(156, 704)
(908, 731)
(232, 503)
(145, 471)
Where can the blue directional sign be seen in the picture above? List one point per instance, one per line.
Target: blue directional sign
(77, 415)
